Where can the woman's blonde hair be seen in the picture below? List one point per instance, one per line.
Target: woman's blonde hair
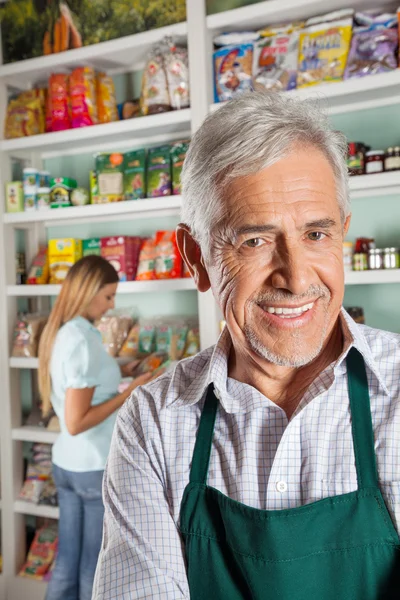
(83, 282)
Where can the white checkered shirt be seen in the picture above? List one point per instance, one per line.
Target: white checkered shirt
(258, 457)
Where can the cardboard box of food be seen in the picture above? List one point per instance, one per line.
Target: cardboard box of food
(123, 253)
(63, 253)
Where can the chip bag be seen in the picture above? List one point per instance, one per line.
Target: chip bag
(147, 258)
(106, 102)
(82, 91)
(168, 264)
(59, 101)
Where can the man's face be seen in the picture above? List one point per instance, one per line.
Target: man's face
(276, 264)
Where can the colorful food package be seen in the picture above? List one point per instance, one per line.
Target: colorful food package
(275, 58)
(110, 177)
(106, 103)
(232, 71)
(82, 91)
(168, 263)
(130, 347)
(178, 155)
(59, 99)
(93, 188)
(147, 259)
(63, 253)
(177, 70)
(155, 96)
(159, 172)
(147, 336)
(60, 191)
(27, 332)
(39, 271)
(123, 253)
(374, 46)
(43, 198)
(135, 175)
(323, 48)
(41, 553)
(91, 246)
(192, 342)
(171, 337)
(14, 196)
(25, 116)
(114, 330)
(150, 363)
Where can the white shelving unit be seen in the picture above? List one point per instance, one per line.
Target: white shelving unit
(121, 56)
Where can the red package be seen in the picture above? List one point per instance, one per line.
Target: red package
(58, 97)
(123, 253)
(168, 263)
(82, 91)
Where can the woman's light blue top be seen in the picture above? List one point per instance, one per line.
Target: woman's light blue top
(79, 360)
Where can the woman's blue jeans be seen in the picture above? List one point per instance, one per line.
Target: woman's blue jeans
(80, 534)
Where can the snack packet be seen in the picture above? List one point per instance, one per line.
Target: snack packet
(130, 347)
(59, 100)
(178, 155)
(168, 264)
(24, 117)
(177, 70)
(155, 96)
(114, 329)
(150, 363)
(39, 272)
(275, 58)
(192, 343)
(159, 172)
(147, 334)
(147, 258)
(232, 71)
(106, 102)
(374, 47)
(41, 553)
(323, 48)
(82, 91)
(27, 332)
(134, 174)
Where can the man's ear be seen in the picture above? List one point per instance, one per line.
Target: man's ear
(191, 254)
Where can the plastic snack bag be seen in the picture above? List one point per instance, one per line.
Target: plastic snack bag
(177, 70)
(192, 343)
(374, 47)
(27, 334)
(39, 272)
(59, 100)
(130, 347)
(178, 155)
(82, 91)
(155, 96)
(147, 258)
(323, 48)
(106, 102)
(114, 329)
(134, 174)
(150, 363)
(168, 264)
(41, 553)
(232, 71)
(275, 58)
(159, 172)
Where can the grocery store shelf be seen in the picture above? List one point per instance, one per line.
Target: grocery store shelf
(24, 363)
(148, 208)
(80, 140)
(373, 91)
(372, 277)
(34, 434)
(36, 510)
(20, 588)
(376, 185)
(126, 287)
(126, 53)
(277, 11)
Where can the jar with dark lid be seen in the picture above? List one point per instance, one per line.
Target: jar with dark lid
(391, 258)
(374, 161)
(375, 258)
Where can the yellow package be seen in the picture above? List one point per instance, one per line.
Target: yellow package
(63, 253)
(323, 48)
(106, 102)
(25, 116)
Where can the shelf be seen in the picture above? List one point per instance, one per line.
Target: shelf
(34, 434)
(126, 287)
(372, 277)
(373, 91)
(21, 588)
(36, 510)
(376, 185)
(122, 54)
(277, 11)
(81, 140)
(150, 207)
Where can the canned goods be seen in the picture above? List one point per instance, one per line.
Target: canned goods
(360, 261)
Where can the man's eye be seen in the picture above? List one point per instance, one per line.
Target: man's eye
(316, 236)
(254, 243)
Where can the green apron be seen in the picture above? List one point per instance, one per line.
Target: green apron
(339, 548)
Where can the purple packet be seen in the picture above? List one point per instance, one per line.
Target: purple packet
(371, 52)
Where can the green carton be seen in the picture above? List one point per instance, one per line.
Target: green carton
(134, 174)
(91, 246)
(178, 155)
(159, 172)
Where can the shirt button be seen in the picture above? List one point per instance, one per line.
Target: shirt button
(281, 486)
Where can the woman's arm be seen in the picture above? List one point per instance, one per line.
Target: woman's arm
(80, 415)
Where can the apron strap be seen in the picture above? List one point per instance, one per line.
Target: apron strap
(202, 449)
(361, 421)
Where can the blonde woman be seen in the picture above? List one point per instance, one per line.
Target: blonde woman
(80, 380)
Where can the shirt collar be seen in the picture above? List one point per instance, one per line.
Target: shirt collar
(215, 371)
(84, 324)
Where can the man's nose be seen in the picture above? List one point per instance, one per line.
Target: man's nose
(293, 271)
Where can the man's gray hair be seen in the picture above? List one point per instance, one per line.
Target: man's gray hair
(247, 135)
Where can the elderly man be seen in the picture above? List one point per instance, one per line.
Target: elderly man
(266, 467)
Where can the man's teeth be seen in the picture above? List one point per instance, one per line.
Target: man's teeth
(288, 312)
